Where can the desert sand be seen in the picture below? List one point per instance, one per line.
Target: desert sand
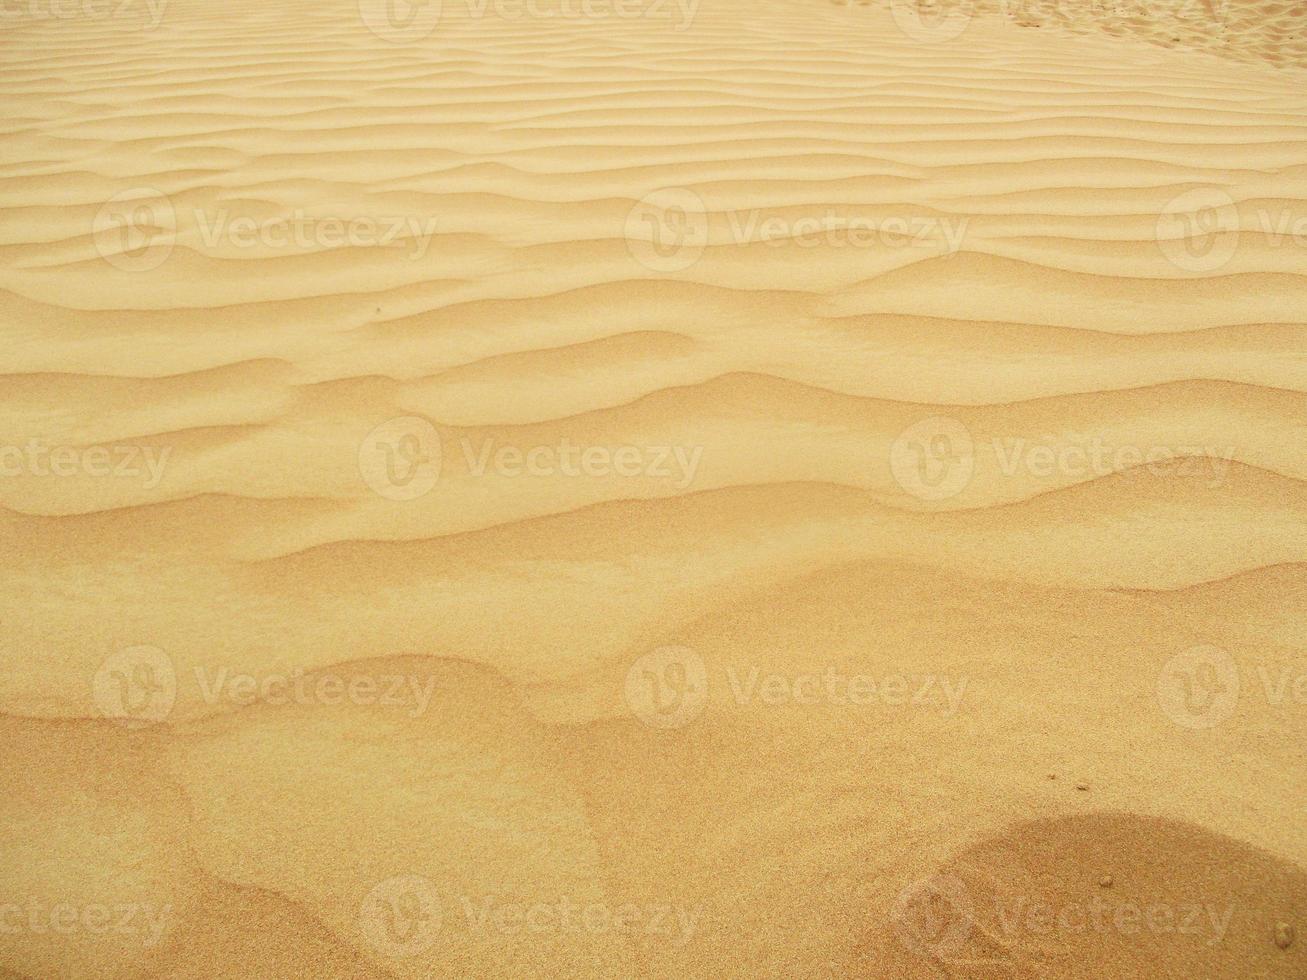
(658, 488)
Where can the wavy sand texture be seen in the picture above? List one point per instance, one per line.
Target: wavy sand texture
(672, 489)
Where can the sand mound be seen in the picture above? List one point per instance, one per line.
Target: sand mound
(1100, 895)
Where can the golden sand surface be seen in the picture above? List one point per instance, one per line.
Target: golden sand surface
(653, 488)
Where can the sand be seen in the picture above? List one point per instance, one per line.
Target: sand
(671, 489)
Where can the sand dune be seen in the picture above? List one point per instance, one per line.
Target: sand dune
(670, 489)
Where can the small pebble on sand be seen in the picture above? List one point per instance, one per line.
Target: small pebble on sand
(1284, 934)
(1083, 787)
(1105, 881)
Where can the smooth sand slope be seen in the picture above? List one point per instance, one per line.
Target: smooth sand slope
(772, 489)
